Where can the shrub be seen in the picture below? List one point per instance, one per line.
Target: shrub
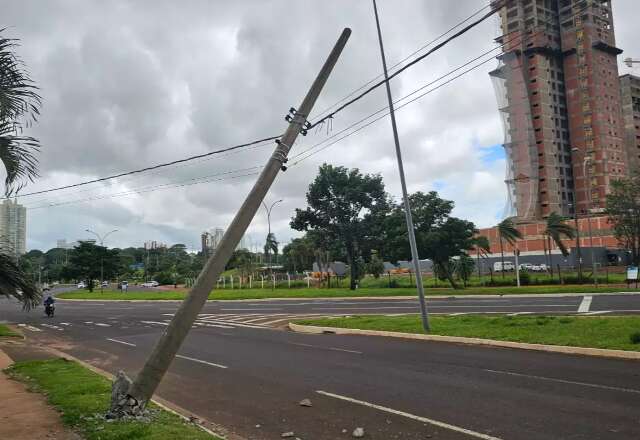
(525, 278)
(635, 338)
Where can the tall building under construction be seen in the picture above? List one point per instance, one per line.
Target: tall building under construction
(559, 96)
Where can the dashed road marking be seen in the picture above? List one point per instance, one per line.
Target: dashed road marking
(30, 327)
(55, 327)
(570, 382)
(100, 324)
(121, 342)
(412, 416)
(200, 361)
(325, 348)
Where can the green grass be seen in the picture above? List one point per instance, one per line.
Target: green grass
(6, 331)
(228, 294)
(80, 394)
(578, 331)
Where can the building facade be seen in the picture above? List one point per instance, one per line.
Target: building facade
(13, 228)
(559, 97)
(630, 92)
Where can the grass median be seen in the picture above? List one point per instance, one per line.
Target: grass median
(312, 292)
(6, 331)
(619, 332)
(82, 396)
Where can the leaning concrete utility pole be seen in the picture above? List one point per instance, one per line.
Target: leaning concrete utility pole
(405, 197)
(134, 400)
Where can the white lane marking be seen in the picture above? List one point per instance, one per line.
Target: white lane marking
(154, 322)
(88, 322)
(570, 382)
(234, 324)
(458, 314)
(65, 323)
(519, 313)
(597, 312)
(55, 327)
(201, 361)
(585, 304)
(121, 342)
(411, 416)
(216, 325)
(100, 324)
(29, 327)
(237, 310)
(325, 348)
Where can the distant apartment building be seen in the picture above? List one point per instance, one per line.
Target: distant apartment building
(153, 244)
(13, 227)
(559, 98)
(210, 240)
(630, 91)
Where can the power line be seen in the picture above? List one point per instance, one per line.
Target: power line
(420, 49)
(437, 47)
(502, 45)
(154, 167)
(153, 188)
(402, 69)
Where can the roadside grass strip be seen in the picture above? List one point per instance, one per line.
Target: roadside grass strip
(82, 397)
(7, 332)
(611, 332)
(312, 292)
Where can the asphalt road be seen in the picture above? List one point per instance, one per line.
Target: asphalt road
(238, 371)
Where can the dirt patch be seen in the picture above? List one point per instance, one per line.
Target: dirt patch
(25, 415)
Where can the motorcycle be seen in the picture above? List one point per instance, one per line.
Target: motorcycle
(49, 309)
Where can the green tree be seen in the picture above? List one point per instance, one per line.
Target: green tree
(87, 260)
(299, 254)
(452, 238)
(483, 249)
(375, 266)
(464, 268)
(271, 248)
(19, 107)
(342, 206)
(428, 210)
(623, 209)
(555, 230)
(507, 232)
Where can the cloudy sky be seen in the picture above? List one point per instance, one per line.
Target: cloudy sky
(128, 84)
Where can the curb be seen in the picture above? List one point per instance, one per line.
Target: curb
(584, 351)
(352, 298)
(162, 403)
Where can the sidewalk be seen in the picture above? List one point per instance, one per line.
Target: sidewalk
(25, 415)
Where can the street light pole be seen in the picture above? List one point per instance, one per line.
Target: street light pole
(101, 239)
(269, 232)
(589, 207)
(407, 207)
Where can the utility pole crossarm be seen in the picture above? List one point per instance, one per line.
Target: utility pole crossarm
(141, 390)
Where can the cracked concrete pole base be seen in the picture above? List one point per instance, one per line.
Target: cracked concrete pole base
(122, 404)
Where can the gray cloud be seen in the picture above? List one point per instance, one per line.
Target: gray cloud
(133, 83)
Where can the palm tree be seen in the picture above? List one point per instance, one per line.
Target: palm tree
(271, 246)
(483, 249)
(557, 229)
(19, 107)
(507, 232)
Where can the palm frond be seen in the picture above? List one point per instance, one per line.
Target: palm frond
(18, 93)
(15, 283)
(18, 154)
(508, 231)
(19, 101)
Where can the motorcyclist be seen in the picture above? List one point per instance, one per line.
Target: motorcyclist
(48, 302)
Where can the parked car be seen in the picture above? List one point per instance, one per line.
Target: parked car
(150, 284)
(508, 266)
(105, 284)
(526, 266)
(82, 285)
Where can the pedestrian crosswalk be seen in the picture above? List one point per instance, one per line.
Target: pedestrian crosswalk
(248, 320)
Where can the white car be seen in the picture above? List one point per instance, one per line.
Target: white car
(81, 285)
(150, 284)
(526, 266)
(105, 284)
